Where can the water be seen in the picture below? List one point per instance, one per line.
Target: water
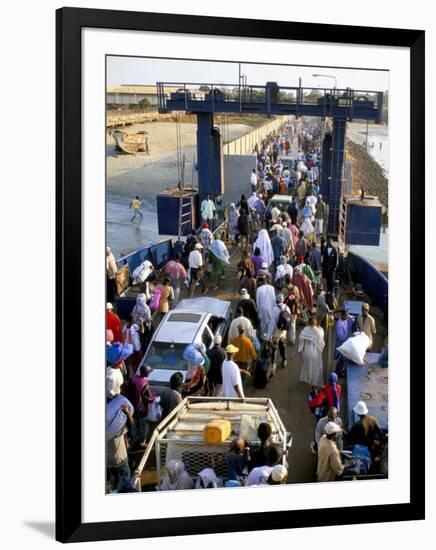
(122, 233)
(378, 142)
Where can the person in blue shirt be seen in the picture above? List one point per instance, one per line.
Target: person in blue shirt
(344, 327)
(237, 460)
(315, 261)
(277, 245)
(260, 207)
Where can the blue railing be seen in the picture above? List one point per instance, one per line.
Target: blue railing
(158, 253)
(374, 283)
(324, 101)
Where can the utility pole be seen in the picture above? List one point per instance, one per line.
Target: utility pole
(239, 82)
(366, 137)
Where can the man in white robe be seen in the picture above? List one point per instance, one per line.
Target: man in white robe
(310, 347)
(238, 321)
(265, 301)
(208, 210)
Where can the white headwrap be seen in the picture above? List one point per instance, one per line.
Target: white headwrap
(219, 249)
(176, 477)
(263, 242)
(209, 479)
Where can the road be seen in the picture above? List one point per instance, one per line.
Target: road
(285, 389)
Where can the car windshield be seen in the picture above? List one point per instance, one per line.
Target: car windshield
(166, 355)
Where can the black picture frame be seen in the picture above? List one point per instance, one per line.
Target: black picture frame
(69, 22)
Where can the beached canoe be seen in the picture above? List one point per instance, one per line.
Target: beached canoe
(131, 143)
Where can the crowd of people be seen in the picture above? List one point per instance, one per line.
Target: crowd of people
(286, 275)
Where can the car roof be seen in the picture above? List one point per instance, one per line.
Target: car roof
(180, 326)
(281, 198)
(214, 306)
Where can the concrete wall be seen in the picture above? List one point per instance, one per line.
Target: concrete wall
(239, 160)
(245, 144)
(129, 99)
(237, 170)
(115, 119)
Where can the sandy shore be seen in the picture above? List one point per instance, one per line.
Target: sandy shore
(147, 175)
(144, 174)
(367, 173)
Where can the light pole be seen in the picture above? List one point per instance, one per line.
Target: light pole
(242, 86)
(327, 76)
(316, 75)
(239, 84)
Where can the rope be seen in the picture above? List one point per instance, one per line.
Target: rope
(179, 148)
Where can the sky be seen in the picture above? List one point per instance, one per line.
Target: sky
(148, 71)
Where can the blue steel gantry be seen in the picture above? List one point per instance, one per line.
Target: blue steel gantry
(206, 99)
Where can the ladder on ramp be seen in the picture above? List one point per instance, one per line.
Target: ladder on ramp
(185, 203)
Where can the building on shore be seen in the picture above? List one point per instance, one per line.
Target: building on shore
(135, 95)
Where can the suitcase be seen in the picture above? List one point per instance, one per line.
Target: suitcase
(265, 368)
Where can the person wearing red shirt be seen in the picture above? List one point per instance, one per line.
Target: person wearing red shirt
(113, 323)
(329, 394)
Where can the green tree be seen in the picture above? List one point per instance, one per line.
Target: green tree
(144, 102)
(286, 97)
(312, 96)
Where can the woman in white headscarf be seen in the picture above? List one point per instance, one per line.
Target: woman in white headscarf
(263, 242)
(218, 256)
(141, 311)
(142, 315)
(207, 479)
(176, 477)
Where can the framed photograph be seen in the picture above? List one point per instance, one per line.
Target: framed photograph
(240, 230)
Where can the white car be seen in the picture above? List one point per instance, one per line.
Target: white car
(194, 320)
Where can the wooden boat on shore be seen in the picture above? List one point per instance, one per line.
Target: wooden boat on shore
(131, 143)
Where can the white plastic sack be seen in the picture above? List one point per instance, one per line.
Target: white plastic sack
(141, 273)
(355, 347)
(249, 425)
(154, 411)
